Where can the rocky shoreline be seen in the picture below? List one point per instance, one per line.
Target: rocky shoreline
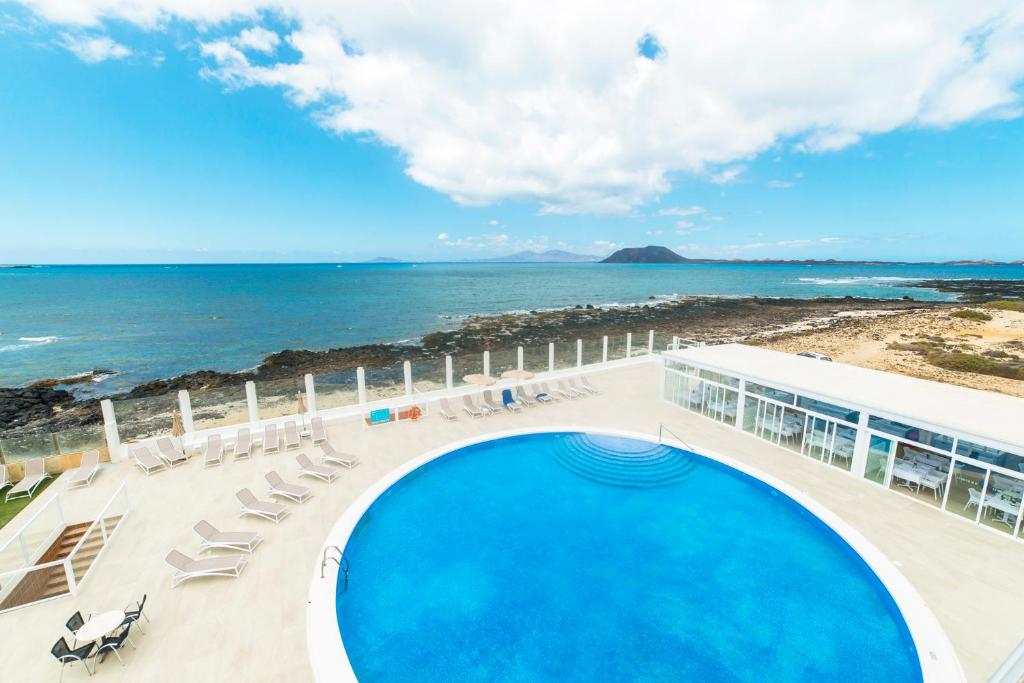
(50, 406)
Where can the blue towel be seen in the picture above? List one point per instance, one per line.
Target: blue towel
(506, 396)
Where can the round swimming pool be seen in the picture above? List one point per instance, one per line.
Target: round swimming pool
(573, 556)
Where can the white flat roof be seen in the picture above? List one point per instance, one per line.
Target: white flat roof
(958, 409)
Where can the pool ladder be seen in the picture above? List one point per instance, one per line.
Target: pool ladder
(340, 560)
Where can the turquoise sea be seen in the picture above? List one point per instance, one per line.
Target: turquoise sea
(153, 321)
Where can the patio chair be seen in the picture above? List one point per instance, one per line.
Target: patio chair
(214, 451)
(317, 431)
(540, 395)
(446, 410)
(186, 568)
(271, 439)
(588, 386)
(115, 642)
(329, 454)
(973, 498)
(63, 653)
(551, 394)
(212, 537)
(308, 469)
(523, 398)
(291, 436)
(145, 459)
(133, 612)
(489, 402)
(74, 622)
(510, 403)
(243, 444)
(35, 473)
(279, 488)
(567, 390)
(87, 469)
(265, 509)
(169, 453)
(472, 408)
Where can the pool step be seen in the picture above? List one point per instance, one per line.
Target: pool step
(640, 466)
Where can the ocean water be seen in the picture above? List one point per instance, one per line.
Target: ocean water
(149, 322)
(495, 563)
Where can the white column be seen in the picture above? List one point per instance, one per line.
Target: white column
(650, 341)
(629, 344)
(675, 343)
(519, 357)
(579, 353)
(740, 404)
(110, 430)
(860, 447)
(185, 405)
(487, 362)
(250, 399)
(551, 356)
(310, 394)
(604, 349)
(407, 371)
(361, 384)
(448, 379)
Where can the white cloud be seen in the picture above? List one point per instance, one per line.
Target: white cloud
(257, 38)
(780, 184)
(493, 221)
(785, 244)
(94, 49)
(655, 233)
(688, 228)
(442, 236)
(682, 211)
(495, 101)
(605, 246)
(727, 175)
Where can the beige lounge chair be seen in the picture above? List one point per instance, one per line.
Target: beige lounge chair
(446, 410)
(145, 459)
(524, 397)
(243, 541)
(588, 386)
(35, 473)
(472, 408)
(552, 394)
(566, 390)
(243, 444)
(540, 393)
(279, 488)
(251, 505)
(87, 469)
(329, 454)
(308, 469)
(490, 403)
(271, 439)
(291, 436)
(317, 431)
(214, 451)
(169, 453)
(186, 568)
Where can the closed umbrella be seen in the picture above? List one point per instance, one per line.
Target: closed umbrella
(300, 399)
(517, 374)
(482, 380)
(177, 428)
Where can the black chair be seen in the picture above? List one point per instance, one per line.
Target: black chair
(115, 643)
(74, 623)
(131, 616)
(65, 655)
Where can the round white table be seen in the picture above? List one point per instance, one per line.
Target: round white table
(99, 626)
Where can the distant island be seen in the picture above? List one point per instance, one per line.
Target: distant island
(549, 256)
(384, 259)
(657, 254)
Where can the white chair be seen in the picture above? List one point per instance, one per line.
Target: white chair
(88, 468)
(291, 436)
(145, 459)
(169, 452)
(243, 444)
(265, 509)
(35, 473)
(281, 489)
(317, 431)
(186, 568)
(214, 451)
(329, 454)
(471, 408)
(271, 439)
(446, 410)
(213, 538)
(973, 498)
(308, 469)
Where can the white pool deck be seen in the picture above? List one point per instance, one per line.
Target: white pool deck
(254, 628)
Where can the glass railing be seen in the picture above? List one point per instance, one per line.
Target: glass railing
(565, 355)
(466, 364)
(616, 347)
(429, 374)
(279, 397)
(336, 389)
(219, 407)
(27, 585)
(504, 360)
(593, 350)
(385, 382)
(22, 447)
(535, 358)
(32, 540)
(79, 439)
(143, 418)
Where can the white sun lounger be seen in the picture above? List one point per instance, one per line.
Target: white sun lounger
(446, 410)
(243, 541)
(563, 389)
(329, 454)
(169, 453)
(317, 431)
(291, 436)
(145, 459)
(553, 394)
(214, 451)
(251, 505)
(271, 439)
(281, 489)
(308, 469)
(87, 469)
(35, 473)
(243, 444)
(541, 395)
(588, 386)
(186, 568)
(490, 403)
(472, 408)
(523, 397)
(578, 388)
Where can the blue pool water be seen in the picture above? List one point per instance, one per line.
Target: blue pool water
(583, 557)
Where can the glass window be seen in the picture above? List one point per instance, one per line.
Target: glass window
(830, 409)
(965, 490)
(336, 389)
(681, 367)
(220, 406)
(279, 397)
(769, 392)
(1002, 502)
(992, 456)
(720, 378)
(933, 439)
(920, 473)
(878, 459)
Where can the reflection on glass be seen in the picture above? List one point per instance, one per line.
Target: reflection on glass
(1002, 502)
(992, 456)
(830, 409)
(769, 392)
(920, 473)
(905, 431)
(965, 490)
(878, 459)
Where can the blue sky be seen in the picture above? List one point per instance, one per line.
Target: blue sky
(160, 145)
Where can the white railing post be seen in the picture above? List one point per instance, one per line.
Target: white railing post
(185, 406)
(310, 394)
(579, 353)
(519, 357)
(103, 529)
(449, 381)
(629, 344)
(361, 384)
(604, 349)
(407, 372)
(250, 400)
(650, 341)
(110, 430)
(675, 343)
(551, 356)
(70, 574)
(487, 363)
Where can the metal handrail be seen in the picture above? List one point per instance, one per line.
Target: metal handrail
(662, 428)
(1012, 668)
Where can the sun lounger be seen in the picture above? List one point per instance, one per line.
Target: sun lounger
(541, 395)
(214, 451)
(5, 478)
(243, 444)
(489, 402)
(552, 394)
(579, 388)
(523, 398)
(282, 489)
(291, 436)
(329, 454)
(510, 403)
(145, 459)
(35, 473)
(588, 386)
(308, 469)
(169, 453)
(564, 390)
(271, 439)
(87, 469)
(472, 408)
(446, 410)
(186, 568)
(317, 431)
(251, 505)
(243, 541)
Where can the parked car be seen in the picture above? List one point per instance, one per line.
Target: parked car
(814, 354)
